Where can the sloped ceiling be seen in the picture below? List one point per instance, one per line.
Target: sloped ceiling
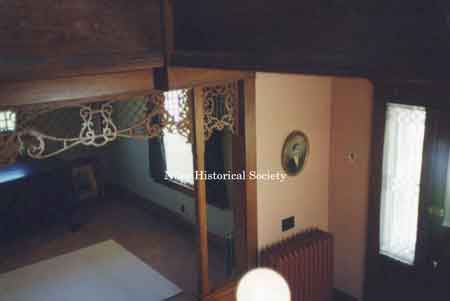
(50, 38)
(390, 39)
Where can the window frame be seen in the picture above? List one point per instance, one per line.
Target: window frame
(177, 185)
(7, 130)
(172, 182)
(431, 95)
(161, 176)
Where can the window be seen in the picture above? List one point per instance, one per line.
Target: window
(171, 156)
(177, 151)
(402, 164)
(172, 160)
(7, 121)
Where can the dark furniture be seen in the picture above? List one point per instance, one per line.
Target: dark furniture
(33, 195)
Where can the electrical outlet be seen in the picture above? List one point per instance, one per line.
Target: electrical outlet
(287, 223)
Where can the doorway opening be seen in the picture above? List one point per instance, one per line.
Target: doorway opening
(125, 196)
(409, 237)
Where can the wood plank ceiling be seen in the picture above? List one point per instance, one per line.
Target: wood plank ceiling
(57, 38)
(403, 39)
(42, 41)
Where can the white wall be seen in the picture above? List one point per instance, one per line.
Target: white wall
(129, 162)
(285, 103)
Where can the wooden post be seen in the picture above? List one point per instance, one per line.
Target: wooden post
(238, 204)
(200, 189)
(250, 165)
(250, 250)
(161, 75)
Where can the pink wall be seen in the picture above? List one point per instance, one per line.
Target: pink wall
(285, 103)
(331, 192)
(351, 131)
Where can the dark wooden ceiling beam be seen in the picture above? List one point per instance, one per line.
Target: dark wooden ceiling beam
(405, 40)
(50, 39)
(186, 77)
(21, 69)
(77, 89)
(283, 62)
(168, 40)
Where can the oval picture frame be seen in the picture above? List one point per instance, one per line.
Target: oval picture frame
(295, 152)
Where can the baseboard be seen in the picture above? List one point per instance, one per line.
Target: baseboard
(342, 296)
(160, 211)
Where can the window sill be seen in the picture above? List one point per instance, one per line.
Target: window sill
(6, 131)
(186, 189)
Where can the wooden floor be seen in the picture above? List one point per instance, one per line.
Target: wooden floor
(168, 248)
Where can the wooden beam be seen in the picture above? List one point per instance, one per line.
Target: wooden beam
(184, 77)
(52, 38)
(25, 69)
(168, 77)
(250, 165)
(200, 189)
(82, 88)
(225, 293)
(228, 292)
(167, 29)
(291, 61)
(167, 21)
(239, 206)
(352, 38)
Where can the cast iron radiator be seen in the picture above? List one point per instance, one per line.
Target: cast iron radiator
(306, 261)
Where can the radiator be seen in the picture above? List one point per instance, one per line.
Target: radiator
(306, 261)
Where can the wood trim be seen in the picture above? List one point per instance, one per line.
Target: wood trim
(298, 61)
(432, 167)
(177, 186)
(373, 220)
(251, 165)
(225, 293)
(80, 65)
(239, 206)
(80, 89)
(168, 40)
(167, 30)
(184, 77)
(200, 189)
(430, 94)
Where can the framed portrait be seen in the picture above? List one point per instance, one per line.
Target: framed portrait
(295, 152)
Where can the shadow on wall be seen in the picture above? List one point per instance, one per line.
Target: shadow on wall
(128, 162)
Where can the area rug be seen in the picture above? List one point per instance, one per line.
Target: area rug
(102, 272)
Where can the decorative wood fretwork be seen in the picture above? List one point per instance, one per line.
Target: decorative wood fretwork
(221, 108)
(98, 128)
(185, 124)
(68, 125)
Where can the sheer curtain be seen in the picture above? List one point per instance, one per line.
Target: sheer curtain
(402, 163)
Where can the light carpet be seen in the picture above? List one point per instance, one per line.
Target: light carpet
(102, 272)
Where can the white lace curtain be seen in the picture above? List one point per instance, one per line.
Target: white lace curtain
(402, 163)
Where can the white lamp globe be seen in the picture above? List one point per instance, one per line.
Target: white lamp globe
(263, 284)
